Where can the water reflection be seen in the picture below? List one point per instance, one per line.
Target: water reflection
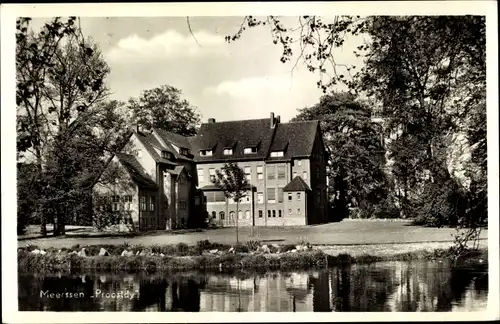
(389, 286)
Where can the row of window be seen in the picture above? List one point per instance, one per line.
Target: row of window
(246, 150)
(147, 203)
(273, 172)
(273, 195)
(270, 214)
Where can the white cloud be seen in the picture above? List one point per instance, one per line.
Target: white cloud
(170, 44)
(255, 97)
(252, 86)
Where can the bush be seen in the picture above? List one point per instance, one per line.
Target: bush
(241, 248)
(253, 245)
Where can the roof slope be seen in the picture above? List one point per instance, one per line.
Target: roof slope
(176, 139)
(297, 184)
(295, 138)
(136, 171)
(233, 134)
(149, 142)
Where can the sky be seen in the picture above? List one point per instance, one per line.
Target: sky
(240, 80)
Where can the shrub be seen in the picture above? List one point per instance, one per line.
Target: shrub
(182, 249)
(241, 248)
(253, 245)
(288, 247)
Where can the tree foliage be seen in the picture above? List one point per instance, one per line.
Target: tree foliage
(428, 75)
(356, 165)
(164, 108)
(232, 181)
(66, 128)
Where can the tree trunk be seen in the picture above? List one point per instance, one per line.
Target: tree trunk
(43, 217)
(237, 216)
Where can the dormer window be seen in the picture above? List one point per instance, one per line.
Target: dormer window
(277, 154)
(206, 152)
(184, 151)
(228, 151)
(250, 150)
(166, 154)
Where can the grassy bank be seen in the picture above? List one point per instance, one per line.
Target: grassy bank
(206, 256)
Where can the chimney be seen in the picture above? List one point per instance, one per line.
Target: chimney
(278, 119)
(211, 120)
(273, 120)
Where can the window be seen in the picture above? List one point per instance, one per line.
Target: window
(279, 213)
(152, 203)
(200, 175)
(250, 150)
(184, 151)
(260, 197)
(182, 205)
(228, 151)
(240, 214)
(281, 172)
(294, 174)
(139, 153)
(219, 196)
(182, 180)
(231, 215)
(271, 195)
(260, 172)
(214, 214)
(290, 211)
(318, 172)
(247, 197)
(215, 197)
(197, 201)
(143, 203)
(260, 213)
(166, 154)
(269, 214)
(274, 213)
(298, 195)
(318, 197)
(271, 170)
(304, 175)
(289, 196)
(211, 172)
(247, 214)
(277, 154)
(298, 210)
(206, 152)
(248, 173)
(280, 195)
(222, 215)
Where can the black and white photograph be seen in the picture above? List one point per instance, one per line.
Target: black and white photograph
(314, 161)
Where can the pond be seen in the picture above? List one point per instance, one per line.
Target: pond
(385, 286)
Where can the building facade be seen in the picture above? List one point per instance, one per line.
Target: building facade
(171, 175)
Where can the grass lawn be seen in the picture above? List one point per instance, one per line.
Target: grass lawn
(345, 233)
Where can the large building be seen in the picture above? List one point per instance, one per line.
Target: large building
(170, 176)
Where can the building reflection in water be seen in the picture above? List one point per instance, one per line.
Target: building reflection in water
(389, 286)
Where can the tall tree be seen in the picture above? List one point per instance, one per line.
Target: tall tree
(164, 108)
(232, 181)
(64, 123)
(428, 73)
(356, 169)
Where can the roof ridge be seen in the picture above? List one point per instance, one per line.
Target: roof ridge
(236, 121)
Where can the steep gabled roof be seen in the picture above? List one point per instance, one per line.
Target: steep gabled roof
(176, 139)
(237, 134)
(149, 142)
(296, 139)
(297, 184)
(136, 171)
